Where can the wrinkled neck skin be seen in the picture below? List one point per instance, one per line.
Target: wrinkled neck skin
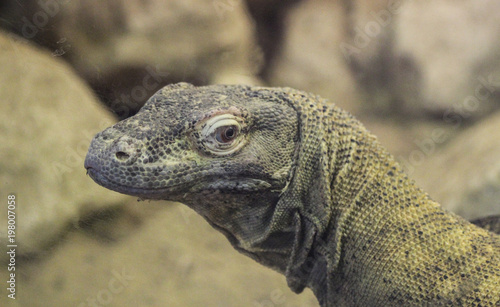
(323, 194)
(243, 219)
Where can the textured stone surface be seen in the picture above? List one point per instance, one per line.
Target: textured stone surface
(48, 118)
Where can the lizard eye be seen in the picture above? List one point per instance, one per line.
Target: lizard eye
(222, 134)
(226, 134)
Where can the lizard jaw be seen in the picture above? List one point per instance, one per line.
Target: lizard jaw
(239, 185)
(144, 193)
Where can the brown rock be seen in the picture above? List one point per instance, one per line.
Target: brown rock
(49, 117)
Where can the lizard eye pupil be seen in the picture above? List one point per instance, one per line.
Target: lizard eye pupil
(226, 134)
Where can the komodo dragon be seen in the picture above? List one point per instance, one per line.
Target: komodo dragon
(302, 188)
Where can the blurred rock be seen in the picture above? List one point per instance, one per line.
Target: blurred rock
(128, 50)
(464, 176)
(170, 257)
(48, 119)
(269, 17)
(425, 57)
(310, 58)
(366, 49)
(451, 53)
(367, 29)
(416, 58)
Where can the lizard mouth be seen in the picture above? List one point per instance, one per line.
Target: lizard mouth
(142, 192)
(240, 185)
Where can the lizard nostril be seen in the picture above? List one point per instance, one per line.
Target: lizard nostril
(124, 150)
(122, 156)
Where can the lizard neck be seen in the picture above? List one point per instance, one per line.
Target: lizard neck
(385, 237)
(344, 164)
(369, 193)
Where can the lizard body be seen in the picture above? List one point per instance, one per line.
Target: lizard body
(304, 189)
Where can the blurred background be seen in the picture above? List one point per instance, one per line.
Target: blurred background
(424, 76)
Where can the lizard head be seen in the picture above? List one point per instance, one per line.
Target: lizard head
(225, 151)
(197, 141)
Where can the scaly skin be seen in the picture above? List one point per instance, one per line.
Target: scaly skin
(302, 188)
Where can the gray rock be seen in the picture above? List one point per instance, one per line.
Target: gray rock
(48, 119)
